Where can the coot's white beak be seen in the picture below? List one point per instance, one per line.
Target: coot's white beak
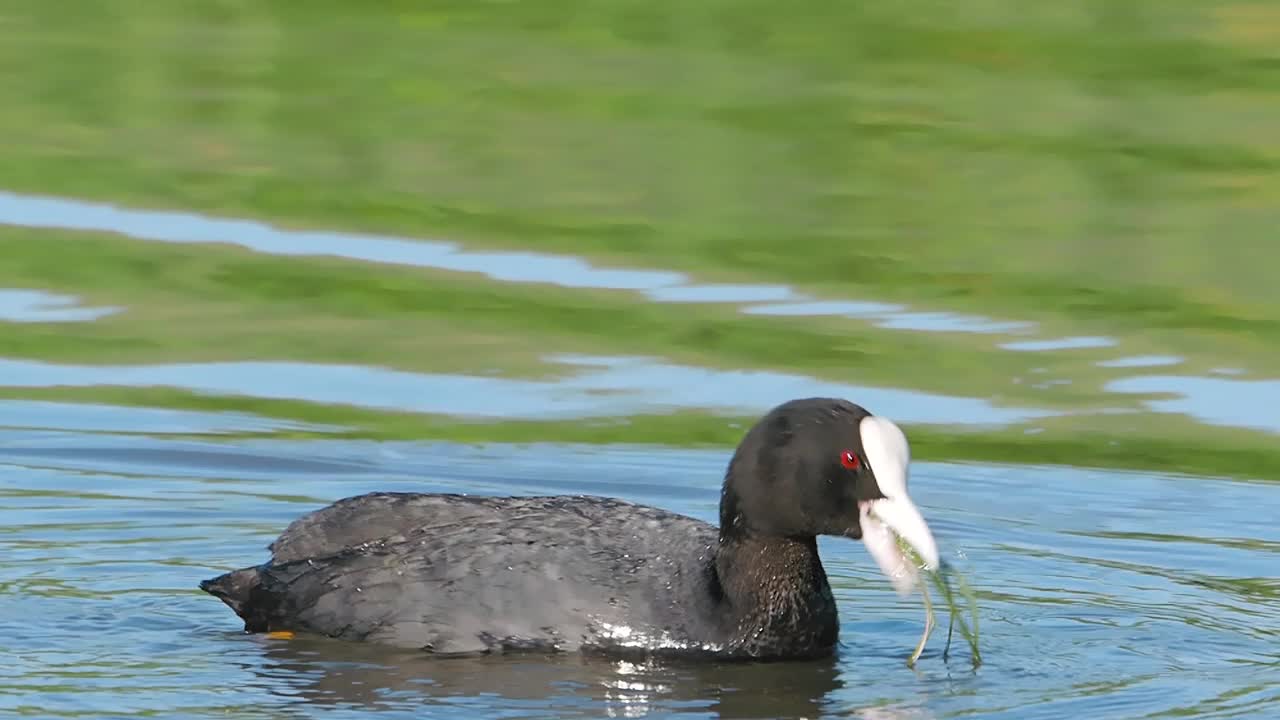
(894, 516)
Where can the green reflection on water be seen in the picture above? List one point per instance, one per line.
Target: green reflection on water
(1095, 168)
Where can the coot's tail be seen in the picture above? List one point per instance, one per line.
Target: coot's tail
(242, 591)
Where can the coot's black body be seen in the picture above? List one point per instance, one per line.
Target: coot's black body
(462, 574)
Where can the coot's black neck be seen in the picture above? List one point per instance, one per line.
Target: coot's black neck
(775, 596)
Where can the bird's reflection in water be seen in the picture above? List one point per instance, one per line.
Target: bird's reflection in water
(376, 679)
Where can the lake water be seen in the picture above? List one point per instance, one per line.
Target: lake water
(1102, 594)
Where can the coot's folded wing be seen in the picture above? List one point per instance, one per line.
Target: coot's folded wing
(373, 517)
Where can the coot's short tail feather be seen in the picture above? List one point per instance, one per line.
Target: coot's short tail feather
(242, 591)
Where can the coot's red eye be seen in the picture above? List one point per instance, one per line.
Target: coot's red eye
(849, 460)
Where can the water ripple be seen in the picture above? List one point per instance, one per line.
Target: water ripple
(38, 306)
(45, 212)
(598, 387)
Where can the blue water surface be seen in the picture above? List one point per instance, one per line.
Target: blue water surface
(1102, 594)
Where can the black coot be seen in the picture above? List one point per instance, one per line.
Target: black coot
(461, 574)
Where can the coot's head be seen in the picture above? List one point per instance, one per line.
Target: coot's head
(824, 466)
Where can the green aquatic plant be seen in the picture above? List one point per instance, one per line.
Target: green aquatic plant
(941, 580)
